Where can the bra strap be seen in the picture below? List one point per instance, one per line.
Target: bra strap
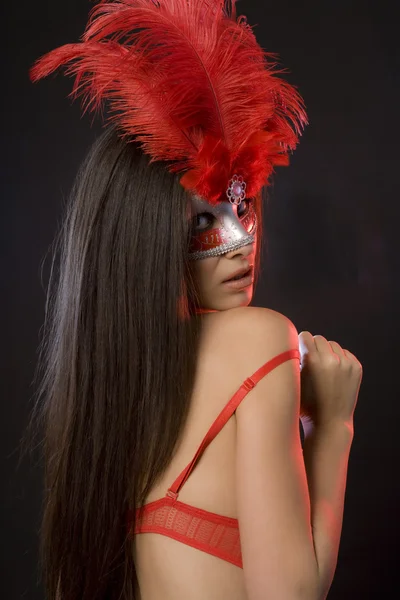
(227, 412)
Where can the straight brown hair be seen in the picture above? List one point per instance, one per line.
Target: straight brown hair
(116, 366)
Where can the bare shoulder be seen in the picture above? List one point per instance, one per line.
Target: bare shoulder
(254, 332)
(254, 317)
(251, 317)
(241, 340)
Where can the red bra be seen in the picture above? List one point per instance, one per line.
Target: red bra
(204, 530)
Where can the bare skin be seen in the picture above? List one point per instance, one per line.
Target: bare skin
(168, 569)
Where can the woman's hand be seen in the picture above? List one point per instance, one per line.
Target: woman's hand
(330, 381)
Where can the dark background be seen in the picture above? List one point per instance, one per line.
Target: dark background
(331, 262)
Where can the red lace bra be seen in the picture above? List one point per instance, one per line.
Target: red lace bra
(207, 531)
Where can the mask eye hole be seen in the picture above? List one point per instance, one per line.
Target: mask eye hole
(243, 208)
(205, 220)
(196, 221)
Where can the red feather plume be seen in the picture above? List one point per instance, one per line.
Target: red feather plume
(190, 82)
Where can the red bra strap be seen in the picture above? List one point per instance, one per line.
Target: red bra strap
(227, 412)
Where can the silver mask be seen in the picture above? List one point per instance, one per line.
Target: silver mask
(234, 230)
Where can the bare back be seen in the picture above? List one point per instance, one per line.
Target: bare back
(166, 568)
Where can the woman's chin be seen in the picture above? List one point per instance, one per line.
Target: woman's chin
(233, 300)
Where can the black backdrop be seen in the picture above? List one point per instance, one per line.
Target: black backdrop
(331, 262)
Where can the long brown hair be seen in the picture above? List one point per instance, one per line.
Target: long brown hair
(116, 364)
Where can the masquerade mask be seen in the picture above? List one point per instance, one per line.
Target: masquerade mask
(235, 228)
(217, 229)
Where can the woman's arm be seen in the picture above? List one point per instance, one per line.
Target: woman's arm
(326, 452)
(289, 499)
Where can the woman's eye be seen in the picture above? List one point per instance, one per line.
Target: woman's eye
(202, 220)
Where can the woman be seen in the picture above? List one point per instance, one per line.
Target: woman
(170, 406)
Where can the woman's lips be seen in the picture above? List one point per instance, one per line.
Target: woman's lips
(238, 284)
(239, 272)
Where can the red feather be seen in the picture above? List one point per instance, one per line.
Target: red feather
(190, 82)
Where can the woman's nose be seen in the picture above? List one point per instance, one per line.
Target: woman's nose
(245, 251)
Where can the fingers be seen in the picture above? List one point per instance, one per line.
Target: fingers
(337, 348)
(322, 344)
(354, 360)
(306, 342)
(317, 347)
(309, 343)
